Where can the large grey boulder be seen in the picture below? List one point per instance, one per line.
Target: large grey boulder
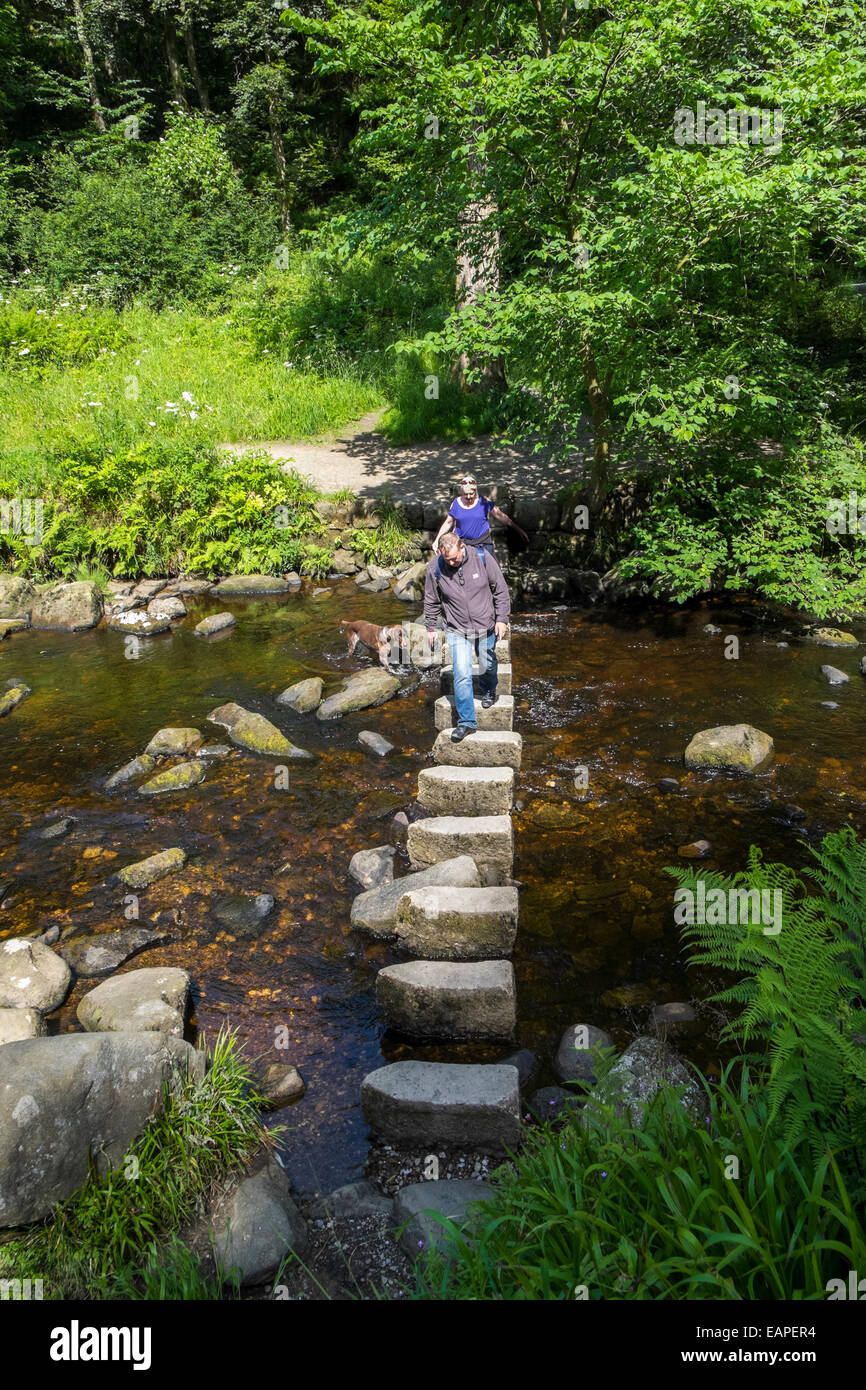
(444, 1103)
(16, 1024)
(32, 976)
(254, 732)
(574, 1059)
(17, 596)
(457, 923)
(67, 1098)
(456, 1199)
(635, 1079)
(738, 747)
(444, 999)
(152, 1000)
(363, 690)
(104, 952)
(376, 911)
(304, 696)
(248, 585)
(70, 607)
(257, 1225)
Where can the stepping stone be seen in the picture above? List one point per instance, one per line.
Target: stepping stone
(486, 748)
(503, 653)
(503, 679)
(421, 1103)
(458, 923)
(452, 1198)
(489, 840)
(441, 999)
(466, 791)
(499, 716)
(376, 910)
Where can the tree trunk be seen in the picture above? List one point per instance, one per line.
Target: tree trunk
(194, 69)
(477, 276)
(599, 405)
(174, 68)
(279, 150)
(89, 67)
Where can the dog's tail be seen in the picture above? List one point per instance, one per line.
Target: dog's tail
(344, 622)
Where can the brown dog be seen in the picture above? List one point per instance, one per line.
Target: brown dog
(379, 639)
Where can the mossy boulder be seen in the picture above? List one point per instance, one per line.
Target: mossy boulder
(361, 691)
(737, 747)
(174, 779)
(14, 692)
(254, 732)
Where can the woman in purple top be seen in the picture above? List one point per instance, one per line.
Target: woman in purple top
(468, 516)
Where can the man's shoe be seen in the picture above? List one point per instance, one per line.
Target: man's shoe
(488, 700)
(458, 734)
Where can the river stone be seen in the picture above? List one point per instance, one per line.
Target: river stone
(343, 562)
(526, 1063)
(830, 637)
(375, 586)
(16, 596)
(466, 791)
(375, 743)
(80, 1097)
(441, 999)
(13, 694)
(453, 1198)
(673, 1015)
(217, 622)
(304, 696)
(243, 584)
(139, 766)
(257, 1225)
(372, 867)
(152, 1000)
(8, 625)
(167, 606)
(698, 849)
(254, 732)
(178, 778)
(147, 871)
(489, 840)
(863, 665)
(457, 923)
(498, 716)
(420, 1103)
(244, 915)
(635, 1079)
(32, 976)
(487, 748)
(173, 743)
(834, 675)
(70, 607)
(574, 1060)
(740, 747)
(149, 588)
(16, 1024)
(189, 586)
(361, 691)
(104, 952)
(376, 910)
(57, 828)
(353, 1200)
(213, 750)
(280, 1085)
(139, 623)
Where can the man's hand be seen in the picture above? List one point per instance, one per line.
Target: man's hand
(432, 636)
(500, 629)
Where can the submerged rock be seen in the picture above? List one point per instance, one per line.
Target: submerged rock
(372, 867)
(32, 976)
(361, 691)
(280, 1085)
(178, 778)
(139, 766)
(14, 692)
(173, 743)
(148, 871)
(254, 732)
(217, 622)
(830, 637)
(304, 696)
(739, 747)
(244, 915)
(103, 952)
(57, 828)
(834, 675)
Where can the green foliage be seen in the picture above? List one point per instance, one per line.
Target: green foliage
(651, 1213)
(157, 509)
(108, 1234)
(190, 166)
(316, 561)
(389, 541)
(169, 1271)
(801, 989)
(733, 523)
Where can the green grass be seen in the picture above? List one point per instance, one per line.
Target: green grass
(391, 540)
(63, 390)
(116, 1231)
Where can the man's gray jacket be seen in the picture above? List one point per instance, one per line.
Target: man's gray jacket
(471, 597)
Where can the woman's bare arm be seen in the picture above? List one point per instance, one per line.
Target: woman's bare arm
(500, 516)
(447, 525)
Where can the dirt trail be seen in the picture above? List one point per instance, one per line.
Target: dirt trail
(360, 458)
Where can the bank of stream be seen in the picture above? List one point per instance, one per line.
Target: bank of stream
(617, 692)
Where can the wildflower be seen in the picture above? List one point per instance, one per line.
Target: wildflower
(187, 396)
(193, 414)
(152, 422)
(23, 352)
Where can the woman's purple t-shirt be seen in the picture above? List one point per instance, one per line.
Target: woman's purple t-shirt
(471, 523)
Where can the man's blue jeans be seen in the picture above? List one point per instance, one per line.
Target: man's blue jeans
(463, 646)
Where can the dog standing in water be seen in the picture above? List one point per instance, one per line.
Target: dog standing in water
(383, 640)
